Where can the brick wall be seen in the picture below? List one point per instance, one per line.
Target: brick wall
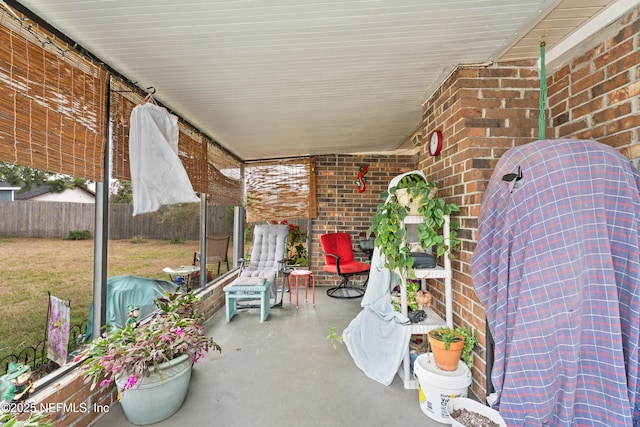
(341, 207)
(212, 297)
(71, 402)
(595, 93)
(482, 112)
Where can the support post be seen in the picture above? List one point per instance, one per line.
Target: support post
(238, 235)
(101, 237)
(203, 240)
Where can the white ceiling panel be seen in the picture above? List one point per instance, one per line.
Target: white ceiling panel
(282, 78)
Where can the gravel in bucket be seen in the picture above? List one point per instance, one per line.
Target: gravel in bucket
(472, 419)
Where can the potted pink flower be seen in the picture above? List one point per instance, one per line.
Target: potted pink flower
(151, 362)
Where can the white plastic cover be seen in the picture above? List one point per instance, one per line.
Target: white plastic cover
(157, 175)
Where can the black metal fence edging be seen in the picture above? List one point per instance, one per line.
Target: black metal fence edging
(36, 356)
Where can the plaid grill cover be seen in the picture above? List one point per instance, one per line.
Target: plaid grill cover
(557, 268)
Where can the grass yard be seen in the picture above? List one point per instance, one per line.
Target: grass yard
(31, 267)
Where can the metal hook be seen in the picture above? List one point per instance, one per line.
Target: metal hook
(150, 91)
(513, 176)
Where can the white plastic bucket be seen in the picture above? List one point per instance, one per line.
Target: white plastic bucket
(436, 387)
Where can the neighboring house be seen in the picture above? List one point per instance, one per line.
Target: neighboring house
(7, 191)
(44, 194)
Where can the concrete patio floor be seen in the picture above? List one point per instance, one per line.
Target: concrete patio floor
(284, 372)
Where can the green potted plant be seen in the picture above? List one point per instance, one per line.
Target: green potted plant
(449, 345)
(150, 361)
(390, 236)
(413, 287)
(296, 244)
(410, 191)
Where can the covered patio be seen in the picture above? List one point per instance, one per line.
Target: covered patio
(482, 104)
(285, 372)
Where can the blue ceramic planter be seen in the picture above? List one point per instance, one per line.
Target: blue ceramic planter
(159, 395)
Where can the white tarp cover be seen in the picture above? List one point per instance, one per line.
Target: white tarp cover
(157, 175)
(378, 337)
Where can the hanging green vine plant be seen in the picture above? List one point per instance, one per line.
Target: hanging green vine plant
(390, 235)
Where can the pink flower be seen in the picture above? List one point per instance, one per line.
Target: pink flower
(105, 382)
(130, 382)
(179, 331)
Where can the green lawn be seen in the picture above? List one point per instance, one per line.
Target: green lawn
(31, 267)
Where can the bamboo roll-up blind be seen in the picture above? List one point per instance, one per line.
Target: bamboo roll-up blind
(192, 149)
(280, 189)
(52, 116)
(225, 177)
(52, 103)
(123, 99)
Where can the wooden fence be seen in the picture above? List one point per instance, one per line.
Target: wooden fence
(56, 219)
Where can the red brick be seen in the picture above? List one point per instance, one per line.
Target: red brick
(501, 93)
(560, 74)
(580, 72)
(572, 127)
(590, 133)
(520, 63)
(475, 83)
(467, 73)
(498, 72)
(559, 110)
(588, 56)
(579, 99)
(613, 54)
(528, 73)
(587, 82)
(611, 84)
(619, 139)
(587, 109)
(612, 113)
(558, 98)
(629, 92)
(513, 132)
(531, 101)
(472, 93)
(624, 64)
(560, 86)
(521, 83)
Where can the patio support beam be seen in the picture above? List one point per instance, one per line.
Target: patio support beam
(238, 235)
(203, 239)
(101, 233)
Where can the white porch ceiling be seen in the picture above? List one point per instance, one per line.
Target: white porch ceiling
(283, 78)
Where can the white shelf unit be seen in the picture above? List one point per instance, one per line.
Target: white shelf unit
(433, 320)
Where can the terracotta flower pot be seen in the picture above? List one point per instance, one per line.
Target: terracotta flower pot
(447, 360)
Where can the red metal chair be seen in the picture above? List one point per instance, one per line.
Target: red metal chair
(338, 257)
